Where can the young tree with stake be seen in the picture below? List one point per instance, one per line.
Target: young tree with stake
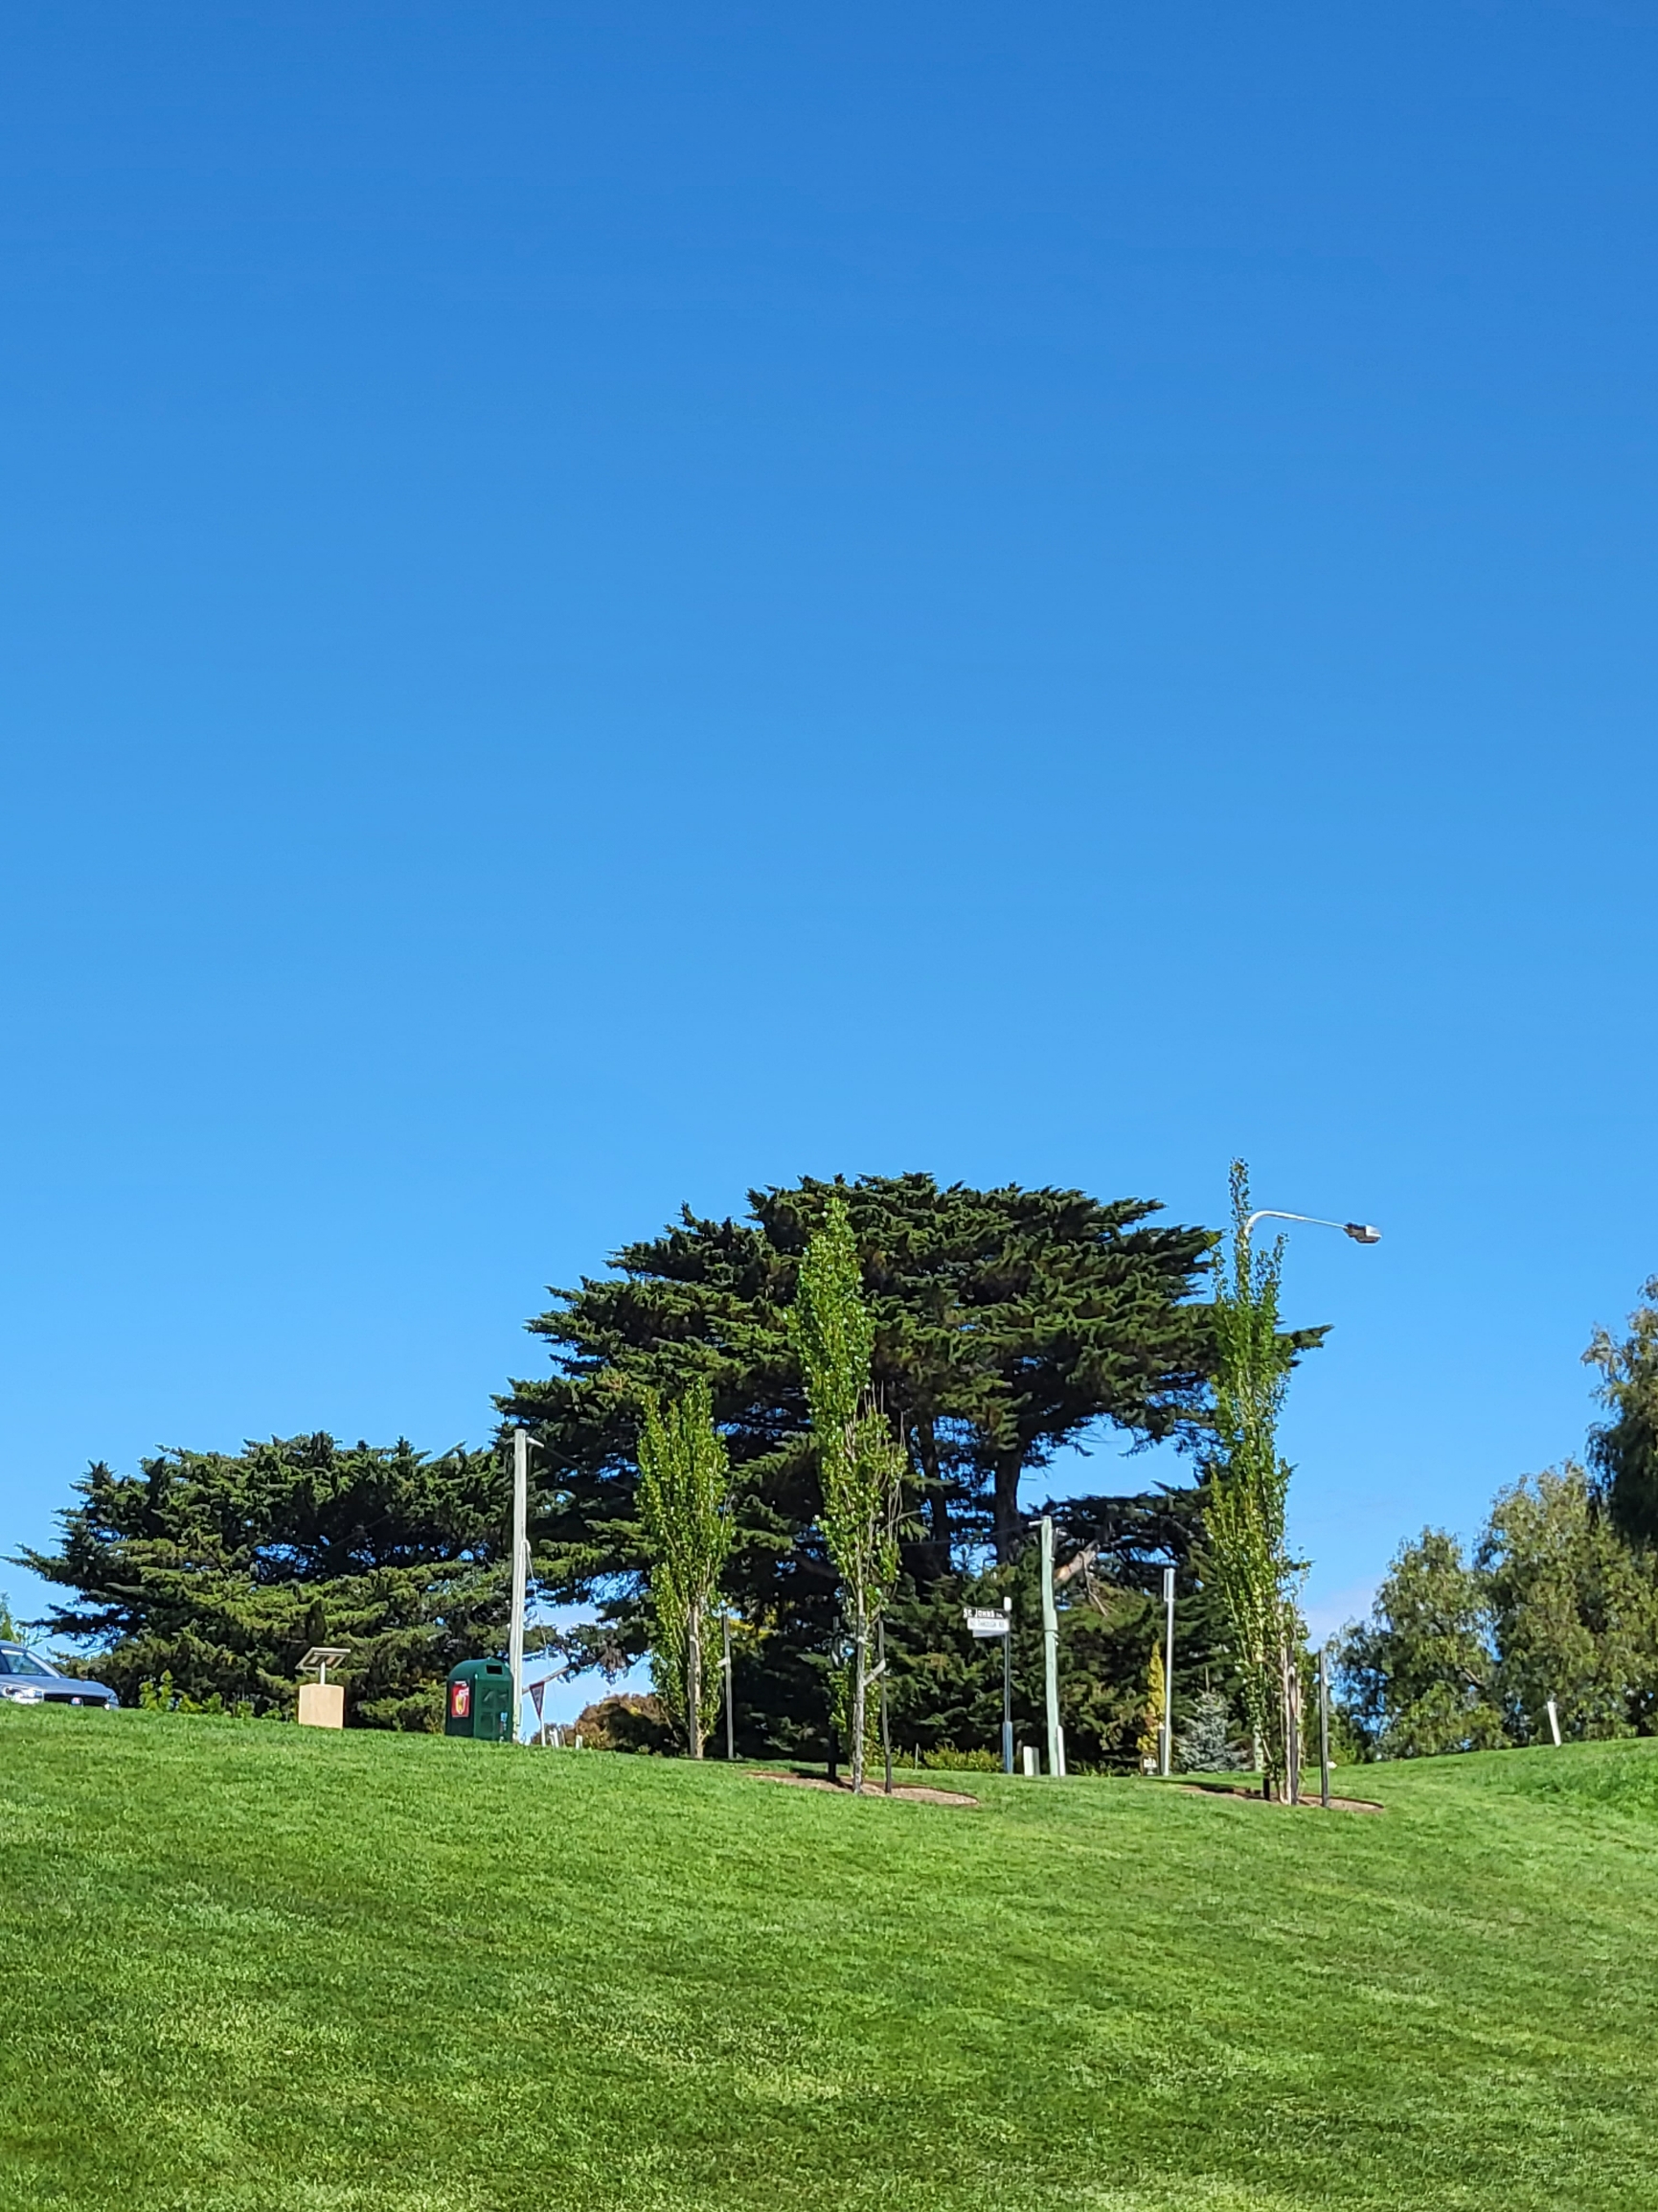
(1248, 1486)
(684, 1486)
(860, 1460)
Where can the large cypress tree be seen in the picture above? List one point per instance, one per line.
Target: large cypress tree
(221, 1568)
(1007, 1322)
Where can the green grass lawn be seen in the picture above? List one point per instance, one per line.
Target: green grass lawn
(253, 1967)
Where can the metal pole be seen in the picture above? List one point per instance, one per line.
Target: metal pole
(1051, 1652)
(1168, 1762)
(725, 1662)
(1008, 1690)
(881, 1669)
(520, 1569)
(1324, 1725)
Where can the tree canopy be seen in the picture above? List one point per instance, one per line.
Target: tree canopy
(1461, 1655)
(1623, 1450)
(1420, 1676)
(220, 1569)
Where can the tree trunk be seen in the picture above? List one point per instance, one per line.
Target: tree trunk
(1008, 1468)
(937, 1496)
(694, 1683)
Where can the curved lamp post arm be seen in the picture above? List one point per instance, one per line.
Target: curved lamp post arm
(1362, 1232)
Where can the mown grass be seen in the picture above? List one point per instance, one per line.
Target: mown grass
(249, 1969)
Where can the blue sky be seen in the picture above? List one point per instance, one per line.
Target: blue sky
(602, 604)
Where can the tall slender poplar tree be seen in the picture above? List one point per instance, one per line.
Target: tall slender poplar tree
(684, 1484)
(1248, 1487)
(861, 1461)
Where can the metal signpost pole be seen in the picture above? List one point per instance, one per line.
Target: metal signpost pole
(1324, 1725)
(520, 1568)
(1008, 1689)
(1051, 1652)
(725, 1662)
(1168, 1731)
(881, 1671)
(982, 1625)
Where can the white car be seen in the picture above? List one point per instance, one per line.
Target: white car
(30, 1678)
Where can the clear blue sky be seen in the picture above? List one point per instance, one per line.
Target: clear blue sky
(605, 603)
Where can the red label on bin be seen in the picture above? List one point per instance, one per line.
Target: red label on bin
(460, 1701)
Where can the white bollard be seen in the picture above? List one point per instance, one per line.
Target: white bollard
(1030, 1758)
(1554, 1722)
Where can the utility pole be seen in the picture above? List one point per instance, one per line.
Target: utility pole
(520, 1568)
(1167, 1729)
(1051, 1652)
(1324, 1725)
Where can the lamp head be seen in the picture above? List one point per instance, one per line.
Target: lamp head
(1362, 1233)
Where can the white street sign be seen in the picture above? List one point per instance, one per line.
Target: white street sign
(982, 1622)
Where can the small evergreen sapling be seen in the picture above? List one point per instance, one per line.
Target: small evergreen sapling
(1150, 1741)
(1204, 1744)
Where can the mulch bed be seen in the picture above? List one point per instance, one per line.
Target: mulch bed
(917, 1792)
(1254, 1797)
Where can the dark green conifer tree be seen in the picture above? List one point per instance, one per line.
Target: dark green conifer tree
(220, 1569)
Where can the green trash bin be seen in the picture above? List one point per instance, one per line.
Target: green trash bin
(480, 1701)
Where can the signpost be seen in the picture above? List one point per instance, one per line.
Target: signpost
(985, 1623)
(881, 1672)
(1167, 1729)
(725, 1668)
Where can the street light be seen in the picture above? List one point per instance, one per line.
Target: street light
(1362, 1232)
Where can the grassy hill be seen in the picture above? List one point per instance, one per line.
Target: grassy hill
(250, 1969)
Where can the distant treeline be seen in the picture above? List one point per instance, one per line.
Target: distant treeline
(1559, 1598)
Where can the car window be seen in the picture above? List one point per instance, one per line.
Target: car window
(24, 1663)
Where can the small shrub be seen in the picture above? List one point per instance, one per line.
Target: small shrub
(943, 1759)
(161, 1696)
(626, 1723)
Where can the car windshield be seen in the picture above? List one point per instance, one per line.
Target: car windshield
(14, 1662)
